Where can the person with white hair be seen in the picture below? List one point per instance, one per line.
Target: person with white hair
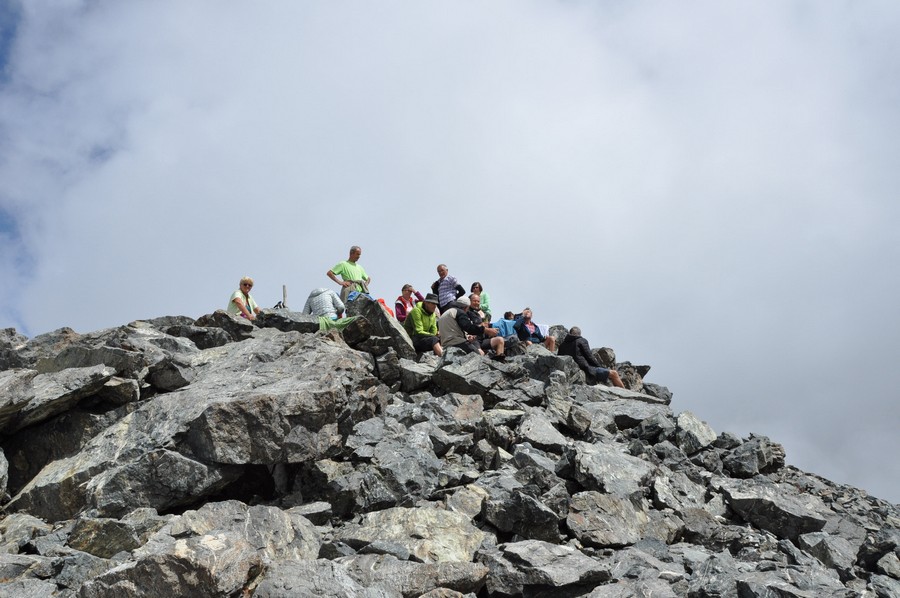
(241, 303)
(457, 329)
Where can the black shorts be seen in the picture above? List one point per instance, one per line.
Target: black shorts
(423, 344)
(468, 347)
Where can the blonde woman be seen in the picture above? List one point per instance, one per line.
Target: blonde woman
(241, 302)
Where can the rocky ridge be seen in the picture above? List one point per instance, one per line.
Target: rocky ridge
(220, 457)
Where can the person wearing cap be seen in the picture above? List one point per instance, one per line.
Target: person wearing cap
(421, 325)
(408, 298)
(457, 329)
(577, 347)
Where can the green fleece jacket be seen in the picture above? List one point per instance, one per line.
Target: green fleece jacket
(419, 322)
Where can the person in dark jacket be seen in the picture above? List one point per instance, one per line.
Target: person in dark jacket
(457, 329)
(577, 347)
(529, 332)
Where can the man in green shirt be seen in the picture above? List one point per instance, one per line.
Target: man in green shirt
(421, 325)
(354, 277)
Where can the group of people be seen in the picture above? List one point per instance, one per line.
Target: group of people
(446, 317)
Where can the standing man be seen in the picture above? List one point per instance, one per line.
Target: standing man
(577, 347)
(354, 276)
(446, 288)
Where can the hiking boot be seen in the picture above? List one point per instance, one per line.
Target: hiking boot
(501, 358)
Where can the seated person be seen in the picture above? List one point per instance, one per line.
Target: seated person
(324, 302)
(489, 338)
(529, 332)
(485, 300)
(241, 303)
(577, 347)
(505, 326)
(421, 325)
(406, 301)
(457, 329)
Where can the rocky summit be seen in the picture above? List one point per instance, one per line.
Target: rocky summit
(223, 457)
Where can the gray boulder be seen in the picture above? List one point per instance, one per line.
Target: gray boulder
(287, 321)
(758, 455)
(606, 468)
(30, 398)
(430, 535)
(412, 579)
(519, 568)
(383, 324)
(604, 520)
(693, 434)
(774, 507)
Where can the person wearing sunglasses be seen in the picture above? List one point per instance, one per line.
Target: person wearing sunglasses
(241, 302)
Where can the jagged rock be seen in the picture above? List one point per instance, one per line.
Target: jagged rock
(30, 449)
(606, 356)
(19, 529)
(605, 520)
(16, 354)
(604, 468)
(214, 551)
(430, 535)
(513, 504)
(774, 507)
(11, 342)
(470, 374)
(541, 363)
(834, 551)
(758, 455)
(289, 579)
(241, 409)
(29, 588)
(383, 324)
(169, 375)
(4, 476)
(388, 367)
(677, 491)
(415, 376)
(107, 537)
(538, 431)
(414, 579)
(202, 337)
(522, 481)
(693, 434)
(884, 587)
(287, 320)
(518, 568)
(125, 362)
(237, 328)
(30, 398)
(656, 428)
(660, 392)
(587, 394)
(120, 391)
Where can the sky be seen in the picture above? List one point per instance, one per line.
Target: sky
(709, 188)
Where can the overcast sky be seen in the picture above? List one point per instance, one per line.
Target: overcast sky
(710, 188)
